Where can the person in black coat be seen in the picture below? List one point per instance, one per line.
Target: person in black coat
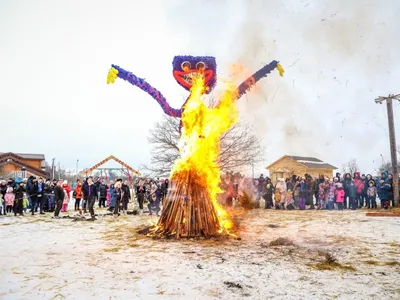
(41, 195)
(126, 195)
(85, 194)
(3, 190)
(102, 194)
(91, 196)
(140, 192)
(49, 195)
(352, 193)
(269, 191)
(346, 186)
(19, 199)
(32, 191)
(58, 198)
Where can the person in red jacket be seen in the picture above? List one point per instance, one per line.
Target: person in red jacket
(78, 194)
(67, 191)
(359, 189)
(339, 193)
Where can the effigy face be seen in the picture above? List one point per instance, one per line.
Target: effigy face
(186, 67)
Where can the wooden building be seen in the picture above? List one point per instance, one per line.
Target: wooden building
(22, 164)
(287, 166)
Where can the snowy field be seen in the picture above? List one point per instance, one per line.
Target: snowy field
(327, 255)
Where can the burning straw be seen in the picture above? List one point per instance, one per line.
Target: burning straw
(192, 209)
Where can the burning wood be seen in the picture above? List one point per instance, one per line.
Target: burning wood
(189, 211)
(192, 209)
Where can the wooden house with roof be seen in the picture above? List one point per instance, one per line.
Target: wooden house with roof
(22, 164)
(288, 165)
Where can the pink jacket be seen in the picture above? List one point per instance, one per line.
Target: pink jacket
(9, 198)
(340, 196)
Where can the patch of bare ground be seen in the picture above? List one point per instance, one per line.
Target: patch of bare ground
(281, 241)
(330, 263)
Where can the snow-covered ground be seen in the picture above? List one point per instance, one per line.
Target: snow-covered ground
(44, 258)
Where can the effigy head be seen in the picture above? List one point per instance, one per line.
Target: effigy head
(185, 67)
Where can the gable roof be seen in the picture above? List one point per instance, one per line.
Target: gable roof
(309, 162)
(304, 158)
(27, 155)
(14, 159)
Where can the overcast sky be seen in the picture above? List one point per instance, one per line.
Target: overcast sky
(338, 57)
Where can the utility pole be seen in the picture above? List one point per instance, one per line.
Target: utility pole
(392, 137)
(77, 164)
(53, 168)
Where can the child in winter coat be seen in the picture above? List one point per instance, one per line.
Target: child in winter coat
(331, 195)
(25, 203)
(289, 200)
(322, 195)
(384, 193)
(339, 193)
(67, 191)
(371, 195)
(9, 198)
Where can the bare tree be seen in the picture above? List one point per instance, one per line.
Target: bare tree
(350, 167)
(239, 147)
(387, 166)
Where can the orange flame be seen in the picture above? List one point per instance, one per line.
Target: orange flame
(200, 141)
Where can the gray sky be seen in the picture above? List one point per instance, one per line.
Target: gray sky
(338, 57)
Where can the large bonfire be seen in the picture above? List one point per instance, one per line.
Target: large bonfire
(191, 208)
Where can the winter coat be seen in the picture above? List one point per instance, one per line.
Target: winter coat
(352, 192)
(31, 188)
(303, 190)
(346, 183)
(331, 192)
(48, 189)
(89, 191)
(289, 186)
(85, 190)
(115, 194)
(9, 198)
(103, 190)
(321, 191)
(339, 195)
(359, 183)
(126, 192)
(390, 191)
(384, 176)
(19, 192)
(269, 190)
(66, 197)
(3, 190)
(371, 191)
(78, 192)
(58, 193)
(368, 178)
(67, 189)
(384, 191)
(140, 189)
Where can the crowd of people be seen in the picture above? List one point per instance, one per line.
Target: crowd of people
(36, 195)
(340, 192)
(347, 192)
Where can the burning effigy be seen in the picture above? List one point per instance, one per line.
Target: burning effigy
(191, 208)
